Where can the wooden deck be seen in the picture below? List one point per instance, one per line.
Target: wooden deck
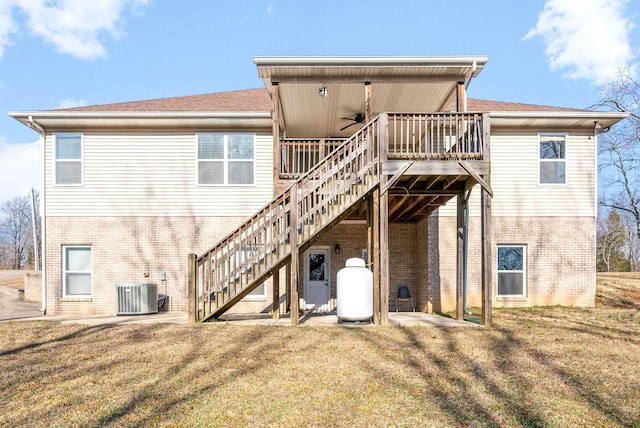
(398, 167)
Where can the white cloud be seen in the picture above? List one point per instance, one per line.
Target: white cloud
(588, 39)
(19, 169)
(74, 27)
(270, 9)
(71, 102)
(7, 26)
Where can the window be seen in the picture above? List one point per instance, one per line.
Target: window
(511, 270)
(77, 270)
(68, 159)
(553, 159)
(225, 159)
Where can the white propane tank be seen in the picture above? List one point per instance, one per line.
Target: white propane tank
(354, 294)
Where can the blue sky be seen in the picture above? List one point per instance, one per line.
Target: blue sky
(61, 53)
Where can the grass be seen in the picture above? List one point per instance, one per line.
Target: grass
(537, 367)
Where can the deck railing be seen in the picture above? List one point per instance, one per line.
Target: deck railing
(456, 136)
(437, 136)
(297, 156)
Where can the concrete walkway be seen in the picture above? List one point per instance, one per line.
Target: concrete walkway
(12, 308)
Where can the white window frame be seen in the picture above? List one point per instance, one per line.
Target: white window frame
(523, 271)
(65, 271)
(225, 159)
(564, 160)
(56, 160)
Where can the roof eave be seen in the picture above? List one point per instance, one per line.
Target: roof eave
(51, 118)
(584, 118)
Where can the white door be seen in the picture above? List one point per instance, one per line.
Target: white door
(317, 291)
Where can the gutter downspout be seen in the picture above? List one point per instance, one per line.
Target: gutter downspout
(40, 130)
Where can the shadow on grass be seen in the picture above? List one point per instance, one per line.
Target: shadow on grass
(76, 334)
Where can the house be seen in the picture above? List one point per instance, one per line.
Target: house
(252, 200)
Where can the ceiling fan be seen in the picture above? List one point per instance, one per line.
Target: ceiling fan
(356, 120)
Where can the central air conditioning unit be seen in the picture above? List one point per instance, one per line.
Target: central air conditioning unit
(137, 299)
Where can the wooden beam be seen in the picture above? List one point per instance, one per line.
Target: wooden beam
(383, 142)
(460, 231)
(467, 167)
(449, 181)
(391, 181)
(461, 97)
(433, 167)
(275, 295)
(193, 288)
(295, 255)
(375, 254)
(275, 98)
(485, 201)
(487, 293)
(287, 284)
(367, 102)
(384, 259)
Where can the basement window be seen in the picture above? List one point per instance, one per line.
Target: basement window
(76, 263)
(226, 159)
(511, 270)
(553, 159)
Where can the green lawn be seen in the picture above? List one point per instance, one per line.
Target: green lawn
(537, 367)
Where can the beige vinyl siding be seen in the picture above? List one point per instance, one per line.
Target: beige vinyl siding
(515, 182)
(153, 174)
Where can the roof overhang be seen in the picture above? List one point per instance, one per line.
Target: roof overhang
(399, 84)
(556, 119)
(123, 119)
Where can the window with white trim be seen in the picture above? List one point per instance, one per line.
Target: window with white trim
(68, 159)
(226, 159)
(553, 158)
(511, 270)
(76, 270)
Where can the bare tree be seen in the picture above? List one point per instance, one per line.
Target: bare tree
(619, 153)
(611, 241)
(16, 242)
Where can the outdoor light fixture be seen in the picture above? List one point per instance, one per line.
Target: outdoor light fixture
(323, 91)
(336, 249)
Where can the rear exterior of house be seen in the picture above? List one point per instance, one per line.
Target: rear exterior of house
(271, 190)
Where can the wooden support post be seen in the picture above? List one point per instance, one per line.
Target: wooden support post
(460, 230)
(275, 295)
(485, 200)
(383, 220)
(367, 102)
(461, 98)
(374, 256)
(287, 282)
(486, 258)
(384, 259)
(275, 98)
(193, 288)
(295, 256)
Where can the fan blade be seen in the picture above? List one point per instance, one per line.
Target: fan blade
(345, 127)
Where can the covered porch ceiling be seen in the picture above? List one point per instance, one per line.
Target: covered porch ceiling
(398, 84)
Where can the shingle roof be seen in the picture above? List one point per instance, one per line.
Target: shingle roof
(258, 100)
(491, 106)
(248, 100)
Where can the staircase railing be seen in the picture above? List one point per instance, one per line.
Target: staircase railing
(249, 255)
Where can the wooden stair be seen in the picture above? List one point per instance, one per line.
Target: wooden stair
(317, 201)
